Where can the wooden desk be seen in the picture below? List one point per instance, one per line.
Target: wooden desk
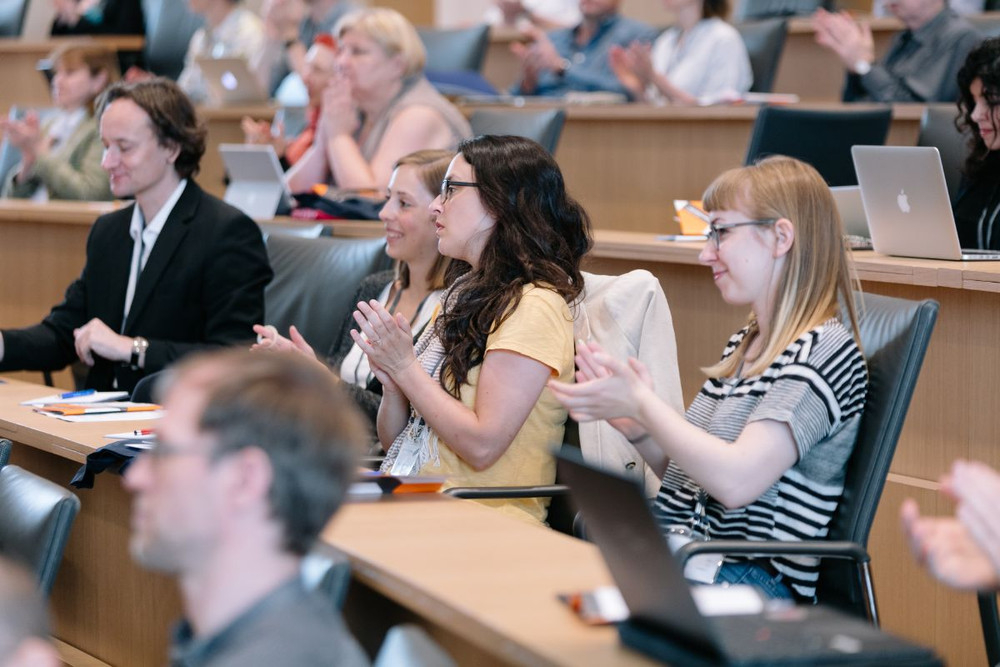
(483, 584)
(23, 84)
(625, 163)
(102, 604)
(950, 416)
(806, 69)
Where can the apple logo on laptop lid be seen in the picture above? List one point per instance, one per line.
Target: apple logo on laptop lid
(903, 201)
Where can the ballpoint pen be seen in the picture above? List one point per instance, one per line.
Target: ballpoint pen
(78, 394)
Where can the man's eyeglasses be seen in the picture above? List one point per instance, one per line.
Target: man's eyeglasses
(715, 229)
(448, 188)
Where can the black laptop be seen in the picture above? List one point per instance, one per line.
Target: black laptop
(664, 620)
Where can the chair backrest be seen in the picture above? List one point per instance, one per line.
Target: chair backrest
(5, 446)
(990, 620)
(545, 127)
(455, 49)
(12, 17)
(327, 571)
(895, 334)
(169, 27)
(314, 281)
(821, 138)
(760, 9)
(35, 519)
(937, 128)
(765, 40)
(410, 645)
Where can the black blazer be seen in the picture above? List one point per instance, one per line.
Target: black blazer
(203, 286)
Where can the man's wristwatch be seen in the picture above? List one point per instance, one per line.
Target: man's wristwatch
(862, 67)
(139, 347)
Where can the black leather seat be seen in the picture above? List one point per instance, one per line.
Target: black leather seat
(35, 519)
(315, 280)
(821, 138)
(895, 334)
(455, 49)
(12, 14)
(169, 27)
(545, 127)
(937, 129)
(765, 40)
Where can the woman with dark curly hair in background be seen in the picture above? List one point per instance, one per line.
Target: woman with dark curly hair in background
(469, 401)
(977, 205)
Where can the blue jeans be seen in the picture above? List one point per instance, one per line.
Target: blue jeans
(744, 572)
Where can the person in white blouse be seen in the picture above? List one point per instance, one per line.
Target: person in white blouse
(701, 57)
(230, 31)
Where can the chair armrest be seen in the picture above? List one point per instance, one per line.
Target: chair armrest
(495, 492)
(816, 548)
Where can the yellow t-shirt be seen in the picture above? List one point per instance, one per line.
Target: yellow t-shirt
(540, 328)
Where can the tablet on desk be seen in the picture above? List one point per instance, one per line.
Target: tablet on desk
(256, 180)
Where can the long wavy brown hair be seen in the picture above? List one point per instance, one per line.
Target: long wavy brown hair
(982, 63)
(540, 236)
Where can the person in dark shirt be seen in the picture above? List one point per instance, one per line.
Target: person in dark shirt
(251, 460)
(977, 204)
(98, 17)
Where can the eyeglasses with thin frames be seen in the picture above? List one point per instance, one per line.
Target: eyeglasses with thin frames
(715, 229)
(448, 188)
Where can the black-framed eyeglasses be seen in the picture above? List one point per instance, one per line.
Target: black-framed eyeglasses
(448, 188)
(715, 229)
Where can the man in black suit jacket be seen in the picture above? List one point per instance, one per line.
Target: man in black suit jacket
(178, 271)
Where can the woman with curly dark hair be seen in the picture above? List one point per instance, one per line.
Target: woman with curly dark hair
(977, 205)
(469, 400)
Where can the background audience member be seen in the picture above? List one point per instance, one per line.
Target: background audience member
(61, 158)
(413, 289)
(469, 401)
(251, 460)
(700, 56)
(379, 109)
(577, 59)
(544, 14)
(177, 271)
(24, 623)
(761, 452)
(290, 28)
(977, 204)
(230, 31)
(921, 63)
(961, 551)
(98, 17)
(320, 70)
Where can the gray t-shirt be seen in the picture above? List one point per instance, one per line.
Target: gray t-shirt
(290, 627)
(818, 387)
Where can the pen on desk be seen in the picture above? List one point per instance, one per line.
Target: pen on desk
(143, 431)
(78, 394)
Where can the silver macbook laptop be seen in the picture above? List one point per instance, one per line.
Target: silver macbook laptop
(907, 205)
(256, 180)
(852, 214)
(231, 82)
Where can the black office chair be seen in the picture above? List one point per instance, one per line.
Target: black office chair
(545, 127)
(145, 389)
(314, 281)
(4, 451)
(455, 49)
(765, 40)
(35, 519)
(821, 138)
(327, 571)
(562, 514)
(990, 620)
(937, 129)
(894, 335)
(12, 14)
(169, 27)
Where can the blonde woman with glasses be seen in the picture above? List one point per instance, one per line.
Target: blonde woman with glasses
(761, 452)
